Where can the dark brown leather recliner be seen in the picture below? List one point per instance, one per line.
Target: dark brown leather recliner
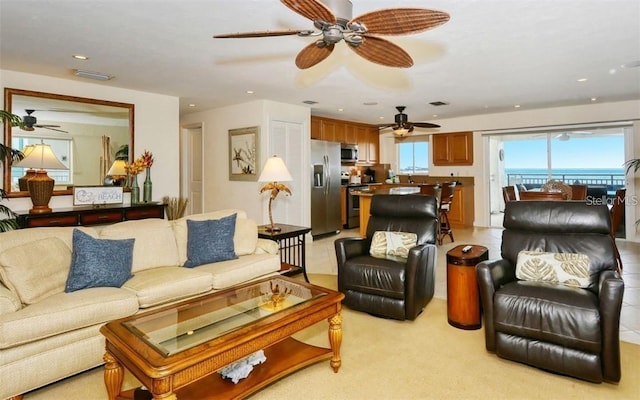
(398, 288)
(567, 330)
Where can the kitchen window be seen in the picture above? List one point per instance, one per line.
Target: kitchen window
(413, 157)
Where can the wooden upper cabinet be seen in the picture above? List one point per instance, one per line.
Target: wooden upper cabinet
(374, 144)
(350, 134)
(365, 136)
(316, 128)
(453, 148)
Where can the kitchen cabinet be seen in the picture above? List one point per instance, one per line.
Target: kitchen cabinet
(365, 136)
(453, 148)
(368, 143)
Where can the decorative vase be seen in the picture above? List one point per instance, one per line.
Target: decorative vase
(148, 187)
(135, 190)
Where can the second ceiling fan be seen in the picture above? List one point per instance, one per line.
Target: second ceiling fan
(360, 33)
(402, 126)
(30, 122)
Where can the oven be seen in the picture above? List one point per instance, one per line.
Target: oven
(353, 205)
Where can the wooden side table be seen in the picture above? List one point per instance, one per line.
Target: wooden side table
(292, 249)
(463, 297)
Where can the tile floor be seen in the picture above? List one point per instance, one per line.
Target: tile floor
(321, 259)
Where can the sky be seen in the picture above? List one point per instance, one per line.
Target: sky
(577, 152)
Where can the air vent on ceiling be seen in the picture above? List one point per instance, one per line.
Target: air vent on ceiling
(439, 103)
(310, 102)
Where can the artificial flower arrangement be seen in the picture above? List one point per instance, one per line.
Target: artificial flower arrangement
(140, 163)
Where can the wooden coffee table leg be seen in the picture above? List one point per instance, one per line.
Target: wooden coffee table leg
(113, 375)
(335, 340)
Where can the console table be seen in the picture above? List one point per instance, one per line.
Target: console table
(291, 243)
(89, 215)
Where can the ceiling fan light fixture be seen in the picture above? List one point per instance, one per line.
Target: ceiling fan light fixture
(401, 131)
(92, 75)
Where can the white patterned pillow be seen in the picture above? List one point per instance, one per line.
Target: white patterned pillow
(571, 269)
(396, 244)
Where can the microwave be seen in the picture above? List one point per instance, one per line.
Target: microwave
(348, 152)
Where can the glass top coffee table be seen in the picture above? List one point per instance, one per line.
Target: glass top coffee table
(176, 351)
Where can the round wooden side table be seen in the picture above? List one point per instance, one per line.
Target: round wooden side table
(463, 298)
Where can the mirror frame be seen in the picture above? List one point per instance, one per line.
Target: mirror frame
(8, 104)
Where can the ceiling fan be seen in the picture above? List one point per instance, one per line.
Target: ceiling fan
(30, 122)
(360, 33)
(402, 126)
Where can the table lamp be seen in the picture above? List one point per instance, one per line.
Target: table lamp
(29, 173)
(118, 173)
(274, 171)
(41, 185)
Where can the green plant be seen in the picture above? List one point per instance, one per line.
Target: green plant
(632, 164)
(13, 155)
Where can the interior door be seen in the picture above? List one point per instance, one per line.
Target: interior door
(191, 169)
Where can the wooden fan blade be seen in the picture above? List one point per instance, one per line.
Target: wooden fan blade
(261, 34)
(311, 9)
(401, 21)
(383, 52)
(425, 125)
(311, 55)
(382, 126)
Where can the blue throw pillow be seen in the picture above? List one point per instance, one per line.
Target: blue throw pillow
(99, 262)
(210, 241)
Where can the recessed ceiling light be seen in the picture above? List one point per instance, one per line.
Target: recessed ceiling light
(340, 109)
(370, 103)
(80, 57)
(582, 79)
(192, 105)
(516, 106)
(594, 98)
(434, 116)
(380, 117)
(249, 91)
(310, 102)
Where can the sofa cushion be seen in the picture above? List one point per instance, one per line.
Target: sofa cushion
(233, 272)
(571, 269)
(99, 262)
(244, 239)
(64, 312)
(164, 284)
(36, 270)
(155, 242)
(9, 301)
(210, 241)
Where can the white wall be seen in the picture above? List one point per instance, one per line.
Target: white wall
(586, 114)
(219, 191)
(156, 126)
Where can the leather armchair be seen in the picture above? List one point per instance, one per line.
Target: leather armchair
(567, 330)
(394, 288)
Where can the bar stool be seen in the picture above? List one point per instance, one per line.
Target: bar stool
(446, 198)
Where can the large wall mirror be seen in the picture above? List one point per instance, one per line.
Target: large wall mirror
(86, 135)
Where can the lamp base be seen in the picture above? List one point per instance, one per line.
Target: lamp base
(273, 228)
(40, 210)
(40, 191)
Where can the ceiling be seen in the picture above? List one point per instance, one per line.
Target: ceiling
(491, 55)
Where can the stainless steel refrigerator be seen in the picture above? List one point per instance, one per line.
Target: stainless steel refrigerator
(325, 187)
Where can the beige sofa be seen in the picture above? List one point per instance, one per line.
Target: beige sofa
(47, 334)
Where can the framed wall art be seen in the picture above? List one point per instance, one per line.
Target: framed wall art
(243, 154)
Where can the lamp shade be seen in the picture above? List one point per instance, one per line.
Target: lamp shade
(41, 157)
(274, 170)
(402, 132)
(118, 168)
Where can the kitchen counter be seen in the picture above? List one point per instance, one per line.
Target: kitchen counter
(461, 213)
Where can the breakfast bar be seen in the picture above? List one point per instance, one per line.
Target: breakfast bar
(461, 213)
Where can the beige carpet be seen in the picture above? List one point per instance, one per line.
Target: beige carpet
(386, 359)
